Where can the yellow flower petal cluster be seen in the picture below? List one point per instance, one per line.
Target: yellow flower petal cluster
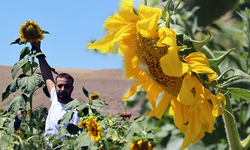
(151, 59)
(28, 114)
(83, 124)
(31, 32)
(20, 132)
(94, 129)
(94, 96)
(141, 145)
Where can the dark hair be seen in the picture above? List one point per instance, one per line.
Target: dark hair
(65, 75)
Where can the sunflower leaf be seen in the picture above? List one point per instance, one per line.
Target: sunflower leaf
(198, 44)
(45, 32)
(66, 117)
(25, 51)
(72, 129)
(215, 62)
(17, 41)
(71, 105)
(239, 87)
(28, 84)
(11, 87)
(17, 103)
(85, 91)
(18, 65)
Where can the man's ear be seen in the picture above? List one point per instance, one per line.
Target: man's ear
(72, 88)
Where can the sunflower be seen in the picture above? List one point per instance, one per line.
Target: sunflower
(141, 145)
(94, 129)
(94, 96)
(31, 32)
(151, 59)
(20, 132)
(82, 124)
(28, 114)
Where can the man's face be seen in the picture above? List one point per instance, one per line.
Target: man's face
(64, 88)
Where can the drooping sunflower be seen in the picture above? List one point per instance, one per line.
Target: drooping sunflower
(94, 129)
(83, 124)
(141, 145)
(94, 96)
(31, 32)
(151, 59)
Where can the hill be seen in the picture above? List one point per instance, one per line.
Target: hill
(110, 84)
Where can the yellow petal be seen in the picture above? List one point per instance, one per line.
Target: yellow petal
(103, 45)
(199, 63)
(167, 38)
(171, 64)
(148, 21)
(161, 108)
(185, 96)
(126, 11)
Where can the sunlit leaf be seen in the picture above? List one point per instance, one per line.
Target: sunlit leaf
(66, 117)
(71, 105)
(5, 141)
(28, 84)
(18, 65)
(83, 140)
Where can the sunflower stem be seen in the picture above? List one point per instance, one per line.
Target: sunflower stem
(30, 98)
(231, 129)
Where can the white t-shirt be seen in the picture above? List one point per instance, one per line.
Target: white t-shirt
(55, 114)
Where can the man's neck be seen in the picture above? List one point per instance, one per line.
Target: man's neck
(65, 101)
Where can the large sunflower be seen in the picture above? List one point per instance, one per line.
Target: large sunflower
(94, 129)
(31, 32)
(151, 59)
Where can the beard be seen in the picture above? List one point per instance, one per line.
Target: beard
(63, 95)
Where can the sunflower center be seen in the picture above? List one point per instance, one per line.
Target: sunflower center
(30, 32)
(149, 55)
(94, 131)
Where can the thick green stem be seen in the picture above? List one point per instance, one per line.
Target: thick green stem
(230, 126)
(30, 99)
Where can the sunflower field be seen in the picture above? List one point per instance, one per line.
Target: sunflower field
(189, 63)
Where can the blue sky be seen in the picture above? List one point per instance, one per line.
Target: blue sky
(72, 24)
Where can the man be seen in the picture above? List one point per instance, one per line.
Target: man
(60, 94)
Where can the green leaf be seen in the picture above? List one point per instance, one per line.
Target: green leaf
(66, 117)
(72, 129)
(83, 140)
(81, 107)
(18, 65)
(17, 103)
(85, 91)
(1, 121)
(240, 88)
(215, 62)
(45, 32)
(26, 68)
(17, 41)
(11, 87)
(5, 141)
(71, 105)
(198, 44)
(25, 51)
(28, 84)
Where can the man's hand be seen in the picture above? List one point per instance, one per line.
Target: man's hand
(36, 46)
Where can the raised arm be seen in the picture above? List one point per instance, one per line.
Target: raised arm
(45, 68)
